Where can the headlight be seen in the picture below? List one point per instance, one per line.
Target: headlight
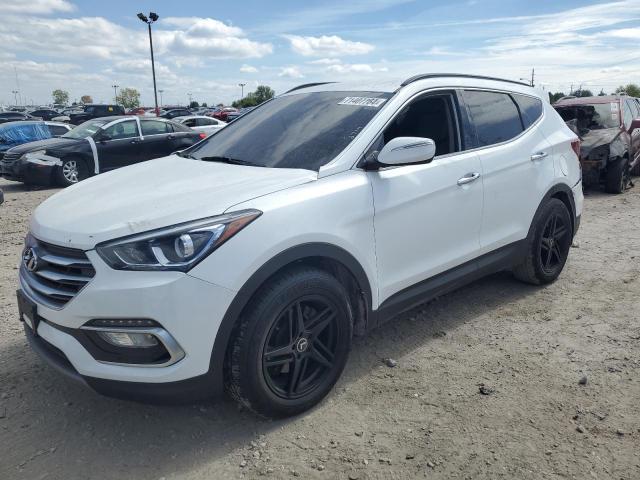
(179, 247)
(34, 154)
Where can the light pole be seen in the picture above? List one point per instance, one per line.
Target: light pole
(189, 95)
(241, 85)
(161, 92)
(15, 95)
(152, 18)
(115, 92)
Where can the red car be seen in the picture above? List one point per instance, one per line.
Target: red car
(223, 113)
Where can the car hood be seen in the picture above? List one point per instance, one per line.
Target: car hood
(55, 143)
(596, 138)
(151, 195)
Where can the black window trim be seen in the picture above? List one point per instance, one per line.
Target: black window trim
(509, 93)
(451, 91)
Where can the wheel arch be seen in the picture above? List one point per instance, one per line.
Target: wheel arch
(337, 261)
(562, 192)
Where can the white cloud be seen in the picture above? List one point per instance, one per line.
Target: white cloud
(203, 27)
(324, 61)
(355, 68)
(35, 7)
(327, 46)
(248, 69)
(290, 72)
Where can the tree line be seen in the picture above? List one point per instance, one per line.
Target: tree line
(631, 89)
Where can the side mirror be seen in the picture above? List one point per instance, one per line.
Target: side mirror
(103, 137)
(635, 123)
(407, 150)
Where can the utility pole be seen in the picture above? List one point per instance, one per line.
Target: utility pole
(241, 85)
(152, 18)
(15, 95)
(189, 95)
(115, 92)
(533, 74)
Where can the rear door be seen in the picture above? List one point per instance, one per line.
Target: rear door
(157, 139)
(630, 113)
(122, 145)
(517, 162)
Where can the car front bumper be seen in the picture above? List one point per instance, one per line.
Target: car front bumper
(189, 309)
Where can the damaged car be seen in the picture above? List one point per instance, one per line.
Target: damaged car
(609, 131)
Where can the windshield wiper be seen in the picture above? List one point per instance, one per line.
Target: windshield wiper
(232, 161)
(185, 155)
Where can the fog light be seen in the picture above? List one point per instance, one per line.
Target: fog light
(124, 339)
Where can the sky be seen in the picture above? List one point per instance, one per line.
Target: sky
(206, 48)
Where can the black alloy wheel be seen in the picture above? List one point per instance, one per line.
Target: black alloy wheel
(547, 246)
(300, 349)
(292, 343)
(554, 243)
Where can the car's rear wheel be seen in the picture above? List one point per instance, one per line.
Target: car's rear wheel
(292, 343)
(548, 244)
(70, 172)
(617, 176)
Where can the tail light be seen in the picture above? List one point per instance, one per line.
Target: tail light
(202, 135)
(575, 146)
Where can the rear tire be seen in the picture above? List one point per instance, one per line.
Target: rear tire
(292, 343)
(548, 244)
(70, 172)
(617, 176)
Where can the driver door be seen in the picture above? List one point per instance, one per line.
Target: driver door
(427, 216)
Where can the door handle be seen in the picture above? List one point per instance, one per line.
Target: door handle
(134, 141)
(468, 178)
(539, 156)
(171, 137)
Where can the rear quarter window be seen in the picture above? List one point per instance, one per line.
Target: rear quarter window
(530, 109)
(494, 115)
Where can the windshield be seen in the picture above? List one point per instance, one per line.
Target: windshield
(592, 117)
(85, 129)
(305, 130)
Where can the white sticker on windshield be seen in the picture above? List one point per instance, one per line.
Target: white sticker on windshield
(363, 101)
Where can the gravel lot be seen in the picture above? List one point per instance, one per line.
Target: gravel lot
(424, 418)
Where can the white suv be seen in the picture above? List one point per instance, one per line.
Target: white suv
(252, 258)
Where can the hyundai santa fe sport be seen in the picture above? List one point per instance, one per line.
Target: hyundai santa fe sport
(249, 260)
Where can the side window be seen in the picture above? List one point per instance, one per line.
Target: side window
(154, 127)
(126, 129)
(57, 130)
(431, 116)
(530, 109)
(203, 122)
(494, 115)
(190, 123)
(627, 114)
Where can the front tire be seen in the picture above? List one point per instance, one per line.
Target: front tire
(292, 343)
(70, 172)
(548, 244)
(617, 176)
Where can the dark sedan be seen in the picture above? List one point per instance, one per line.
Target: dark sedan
(44, 113)
(176, 112)
(16, 117)
(94, 147)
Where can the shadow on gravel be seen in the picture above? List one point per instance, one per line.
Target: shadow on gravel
(54, 425)
(17, 187)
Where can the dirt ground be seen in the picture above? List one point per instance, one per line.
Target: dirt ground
(424, 418)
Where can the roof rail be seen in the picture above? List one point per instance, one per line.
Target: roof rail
(424, 76)
(307, 85)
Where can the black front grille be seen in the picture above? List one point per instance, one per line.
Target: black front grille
(59, 275)
(10, 157)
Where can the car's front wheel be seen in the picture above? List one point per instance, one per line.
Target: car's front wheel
(548, 244)
(292, 343)
(70, 172)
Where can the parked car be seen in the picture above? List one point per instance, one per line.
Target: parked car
(223, 113)
(44, 113)
(201, 123)
(96, 146)
(609, 131)
(16, 117)
(176, 112)
(137, 111)
(252, 258)
(233, 115)
(13, 134)
(95, 111)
